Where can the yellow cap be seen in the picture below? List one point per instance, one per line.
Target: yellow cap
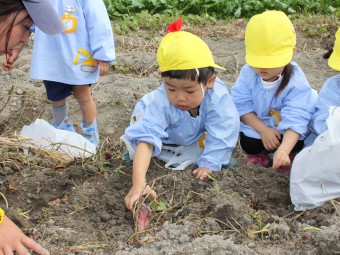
(270, 40)
(182, 50)
(334, 60)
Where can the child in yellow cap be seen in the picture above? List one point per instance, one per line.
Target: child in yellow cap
(329, 96)
(271, 93)
(191, 101)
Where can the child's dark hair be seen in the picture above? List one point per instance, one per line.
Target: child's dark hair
(286, 73)
(8, 7)
(205, 74)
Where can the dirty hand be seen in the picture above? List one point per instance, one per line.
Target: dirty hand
(13, 239)
(103, 67)
(281, 158)
(135, 193)
(270, 138)
(201, 172)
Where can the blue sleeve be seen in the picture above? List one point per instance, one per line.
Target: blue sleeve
(241, 91)
(329, 96)
(299, 107)
(148, 124)
(100, 30)
(222, 130)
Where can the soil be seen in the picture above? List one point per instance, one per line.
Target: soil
(78, 207)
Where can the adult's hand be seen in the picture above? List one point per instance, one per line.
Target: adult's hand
(13, 239)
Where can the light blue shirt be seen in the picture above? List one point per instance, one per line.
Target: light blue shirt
(295, 103)
(156, 121)
(329, 96)
(53, 55)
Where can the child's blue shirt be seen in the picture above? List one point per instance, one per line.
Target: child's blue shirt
(156, 121)
(329, 96)
(295, 103)
(54, 55)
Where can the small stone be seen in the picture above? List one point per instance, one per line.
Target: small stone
(50, 223)
(251, 245)
(91, 170)
(104, 216)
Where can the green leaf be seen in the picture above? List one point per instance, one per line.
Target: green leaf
(237, 13)
(158, 206)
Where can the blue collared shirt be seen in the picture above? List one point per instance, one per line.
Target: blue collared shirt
(295, 103)
(156, 121)
(329, 96)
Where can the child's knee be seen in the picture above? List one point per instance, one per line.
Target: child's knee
(83, 98)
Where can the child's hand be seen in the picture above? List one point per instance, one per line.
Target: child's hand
(270, 138)
(135, 193)
(281, 158)
(201, 172)
(103, 67)
(11, 57)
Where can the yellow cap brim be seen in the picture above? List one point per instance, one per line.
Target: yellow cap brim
(218, 68)
(269, 61)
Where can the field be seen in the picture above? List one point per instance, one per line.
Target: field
(77, 207)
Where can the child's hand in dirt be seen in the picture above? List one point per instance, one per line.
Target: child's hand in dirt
(281, 158)
(11, 57)
(103, 67)
(201, 172)
(13, 239)
(135, 193)
(270, 138)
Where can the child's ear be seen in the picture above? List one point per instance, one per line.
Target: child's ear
(211, 81)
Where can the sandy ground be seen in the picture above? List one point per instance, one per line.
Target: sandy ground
(244, 210)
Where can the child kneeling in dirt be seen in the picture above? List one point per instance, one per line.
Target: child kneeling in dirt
(329, 96)
(190, 102)
(271, 93)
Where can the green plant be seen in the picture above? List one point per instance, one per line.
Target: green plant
(158, 206)
(218, 9)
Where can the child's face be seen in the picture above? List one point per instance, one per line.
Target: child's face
(269, 74)
(19, 34)
(185, 94)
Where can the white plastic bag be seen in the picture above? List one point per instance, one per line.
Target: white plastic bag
(42, 134)
(315, 173)
(176, 157)
(181, 156)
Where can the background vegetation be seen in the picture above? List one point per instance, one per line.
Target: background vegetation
(218, 9)
(132, 14)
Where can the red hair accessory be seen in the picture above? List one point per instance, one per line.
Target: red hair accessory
(175, 26)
